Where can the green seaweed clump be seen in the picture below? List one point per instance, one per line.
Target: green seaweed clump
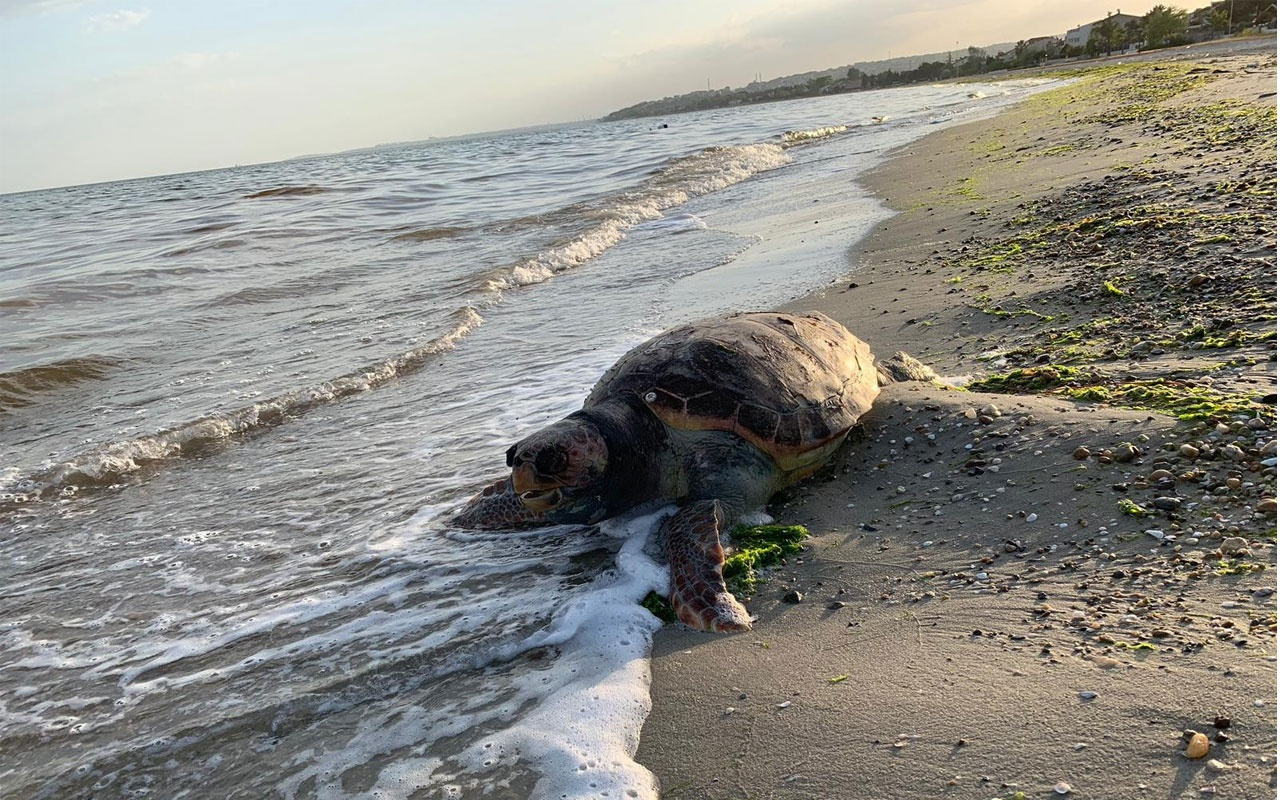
(1127, 506)
(1179, 399)
(758, 547)
(1028, 379)
(659, 606)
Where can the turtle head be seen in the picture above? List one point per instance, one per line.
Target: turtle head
(558, 471)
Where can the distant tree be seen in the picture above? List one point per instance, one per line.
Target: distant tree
(1102, 35)
(1163, 25)
(1220, 20)
(819, 83)
(1133, 33)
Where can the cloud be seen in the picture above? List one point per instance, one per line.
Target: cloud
(117, 21)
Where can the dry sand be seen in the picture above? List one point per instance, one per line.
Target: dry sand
(978, 616)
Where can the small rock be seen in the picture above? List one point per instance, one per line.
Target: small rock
(1216, 765)
(1032, 517)
(1081, 453)
(835, 605)
(1267, 506)
(1167, 503)
(1222, 722)
(1088, 696)
(1126, 453)
(1159, 476)
(990, 410)
(1189, 451)
(792, 596)
(1198, 747)
(1234, 544)
(1062, 787)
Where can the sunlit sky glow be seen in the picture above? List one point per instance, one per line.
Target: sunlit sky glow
(95, 90)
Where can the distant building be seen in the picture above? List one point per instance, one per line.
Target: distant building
(1079, 37)
(1041, 44)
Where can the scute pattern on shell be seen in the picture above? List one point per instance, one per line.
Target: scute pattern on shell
(790, 384)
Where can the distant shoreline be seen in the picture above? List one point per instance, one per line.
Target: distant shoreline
(728, 98)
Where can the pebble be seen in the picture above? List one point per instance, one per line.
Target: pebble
(792, 596)
(1189, 451)
(1167, 503)
(1081, 453)
(1032, 517)
(1198, 747)
(1235, 544)
(1062, 787)
(1127, 452)
(1267, 506)
(785, 704)
(1088, 695)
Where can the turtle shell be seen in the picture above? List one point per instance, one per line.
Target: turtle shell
(791, 384)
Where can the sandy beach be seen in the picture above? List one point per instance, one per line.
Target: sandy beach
(1040, 586)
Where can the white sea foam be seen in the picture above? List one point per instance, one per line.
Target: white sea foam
(706, 171)
(816, 133)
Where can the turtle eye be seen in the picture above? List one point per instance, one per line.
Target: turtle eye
(511, 456)
(550, 461)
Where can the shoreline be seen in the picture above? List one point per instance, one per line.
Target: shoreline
(985, 608)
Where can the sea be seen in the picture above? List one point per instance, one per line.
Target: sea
(237, 408)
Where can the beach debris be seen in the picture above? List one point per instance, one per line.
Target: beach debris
(1062, 787)
(1198, 747)
(838, 679)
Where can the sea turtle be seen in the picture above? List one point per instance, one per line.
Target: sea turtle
(715, 416)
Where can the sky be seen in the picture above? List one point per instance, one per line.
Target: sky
(98, 90)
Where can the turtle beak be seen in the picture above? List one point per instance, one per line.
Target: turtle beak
(541, 502)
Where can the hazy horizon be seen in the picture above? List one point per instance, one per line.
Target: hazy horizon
(95, 91)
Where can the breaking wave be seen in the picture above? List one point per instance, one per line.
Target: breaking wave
(609, 219)
(107, 464)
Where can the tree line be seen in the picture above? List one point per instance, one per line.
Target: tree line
(1162, 26)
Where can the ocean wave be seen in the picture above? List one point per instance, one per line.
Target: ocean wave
(107, 464)
(428, 234)
(286, 191)
(20, 387)
(816, 133)
(609, 219)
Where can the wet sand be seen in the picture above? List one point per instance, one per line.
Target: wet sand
(1046, 583)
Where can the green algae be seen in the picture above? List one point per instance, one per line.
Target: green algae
(756, 547)
(1132, 509)
(1029, 380)
(1175, 397)
(659, 606)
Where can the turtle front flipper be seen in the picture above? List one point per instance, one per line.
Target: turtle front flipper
(497, 507)
(691, 541)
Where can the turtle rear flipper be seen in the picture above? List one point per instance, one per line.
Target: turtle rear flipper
(691, 539)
